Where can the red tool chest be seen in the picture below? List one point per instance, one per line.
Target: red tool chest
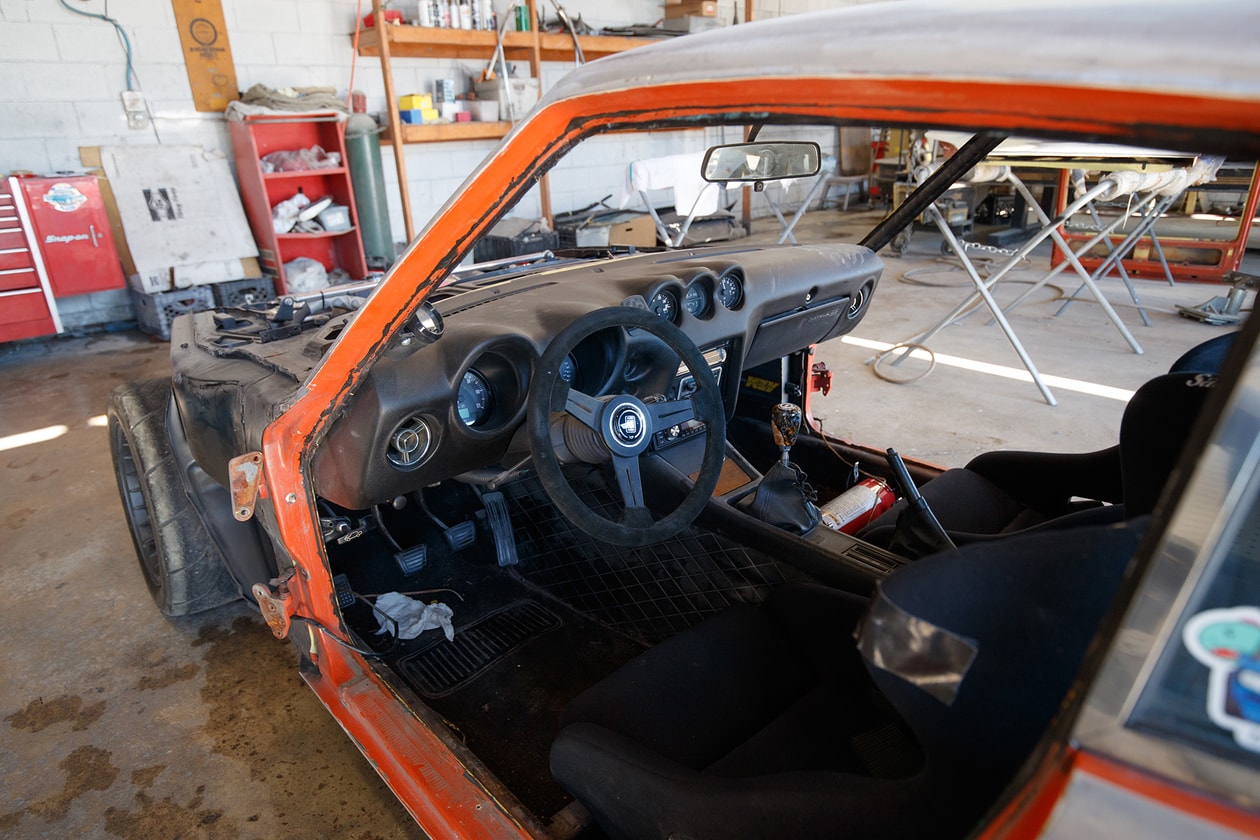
(55, 241)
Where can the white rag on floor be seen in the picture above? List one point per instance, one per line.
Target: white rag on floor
(413, 617)
(692, 194)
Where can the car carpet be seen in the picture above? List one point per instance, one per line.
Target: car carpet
(530, 638)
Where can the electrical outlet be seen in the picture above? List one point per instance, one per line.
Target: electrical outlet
(137, 110)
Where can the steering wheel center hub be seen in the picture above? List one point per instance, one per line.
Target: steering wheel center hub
(626, 428)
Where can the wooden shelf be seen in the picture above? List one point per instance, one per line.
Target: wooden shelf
(304, 173)
(389, 42)
(427, 42)
(443, 132)
(318, 234)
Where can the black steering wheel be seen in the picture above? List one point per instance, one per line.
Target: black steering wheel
(620, 429)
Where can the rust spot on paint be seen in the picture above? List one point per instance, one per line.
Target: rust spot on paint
(40, 714)
(86, 769)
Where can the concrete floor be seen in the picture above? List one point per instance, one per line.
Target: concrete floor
(118, 722)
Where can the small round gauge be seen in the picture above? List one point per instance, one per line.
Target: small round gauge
(568, 369)
(473, 402)
(409, 443)
(730, 291)
(696, 301)
(665, 304)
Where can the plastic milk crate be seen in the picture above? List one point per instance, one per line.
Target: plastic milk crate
(156, 312)
(251, 290)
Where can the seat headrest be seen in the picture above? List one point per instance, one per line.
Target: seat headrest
(1156, 423)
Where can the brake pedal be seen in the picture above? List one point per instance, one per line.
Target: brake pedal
(462, 535)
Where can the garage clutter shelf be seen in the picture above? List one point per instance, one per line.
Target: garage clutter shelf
(389, 41)
(257, 136)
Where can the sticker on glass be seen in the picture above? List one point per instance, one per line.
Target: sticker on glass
(65, 197)
(1227, 641)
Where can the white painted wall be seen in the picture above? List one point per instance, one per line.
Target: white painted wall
(61, 75)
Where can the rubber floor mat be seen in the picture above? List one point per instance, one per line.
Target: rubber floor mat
(444, 667)
(647, 593)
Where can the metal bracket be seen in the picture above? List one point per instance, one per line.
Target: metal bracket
(275, 604)
(245, 479)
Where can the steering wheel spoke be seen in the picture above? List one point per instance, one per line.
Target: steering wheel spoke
(629, 481)
(583, 408)
(671, 413)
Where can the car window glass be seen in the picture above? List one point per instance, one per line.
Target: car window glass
(1205, 687)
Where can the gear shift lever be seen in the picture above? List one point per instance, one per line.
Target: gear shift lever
(785, 420)
(784, 498)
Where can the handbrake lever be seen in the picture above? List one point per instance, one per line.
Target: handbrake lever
(918, 531)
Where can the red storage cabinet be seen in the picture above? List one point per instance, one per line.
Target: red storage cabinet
(257, 136)
(71, 229)
(26, 305)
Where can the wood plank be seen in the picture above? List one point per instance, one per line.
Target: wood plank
(428, 42)
(443, 132)
(203, 36)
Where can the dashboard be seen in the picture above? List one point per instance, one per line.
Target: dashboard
(449, 395)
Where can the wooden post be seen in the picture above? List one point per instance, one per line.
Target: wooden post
(395, 121)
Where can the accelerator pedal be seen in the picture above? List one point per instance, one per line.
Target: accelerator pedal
(500, 527)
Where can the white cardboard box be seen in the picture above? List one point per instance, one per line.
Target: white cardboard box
(182, 216)
(524, 93)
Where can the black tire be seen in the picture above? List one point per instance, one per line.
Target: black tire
(182, 565)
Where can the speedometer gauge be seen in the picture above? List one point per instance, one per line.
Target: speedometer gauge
(473, 401)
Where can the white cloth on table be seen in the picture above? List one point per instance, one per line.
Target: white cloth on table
(692, 194)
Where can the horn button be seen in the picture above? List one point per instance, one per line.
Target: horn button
(625, 427)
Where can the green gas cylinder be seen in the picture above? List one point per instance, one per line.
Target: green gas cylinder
(367, 174)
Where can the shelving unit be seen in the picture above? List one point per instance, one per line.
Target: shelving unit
(255, 137)
(389, 41)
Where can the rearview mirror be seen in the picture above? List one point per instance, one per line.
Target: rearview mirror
(766, 161)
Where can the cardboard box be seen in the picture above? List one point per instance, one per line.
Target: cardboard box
(181, 217)
(617, 228)
(415, 101)
(699, 8)
(524, 94)
(690, 24)
(419, 116)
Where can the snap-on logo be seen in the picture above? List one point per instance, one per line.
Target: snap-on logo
(52, 239)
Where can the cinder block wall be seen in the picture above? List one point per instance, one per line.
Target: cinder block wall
(61, 75)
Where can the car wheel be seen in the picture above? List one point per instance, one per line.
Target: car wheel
(182, 565)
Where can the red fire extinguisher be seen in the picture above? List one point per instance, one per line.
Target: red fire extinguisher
(858, 506)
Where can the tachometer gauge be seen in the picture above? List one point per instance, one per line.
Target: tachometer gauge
(473, 401)
(568, 369)
(664, 304)
(730, 292)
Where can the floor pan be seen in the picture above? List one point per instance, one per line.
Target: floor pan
(647, 593)
(445, 667)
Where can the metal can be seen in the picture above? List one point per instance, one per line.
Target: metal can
(858, 506)
(522, 18)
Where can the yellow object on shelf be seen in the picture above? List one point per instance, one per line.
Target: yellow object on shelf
(415, 101)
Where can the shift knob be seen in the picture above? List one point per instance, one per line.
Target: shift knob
(785, 420)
